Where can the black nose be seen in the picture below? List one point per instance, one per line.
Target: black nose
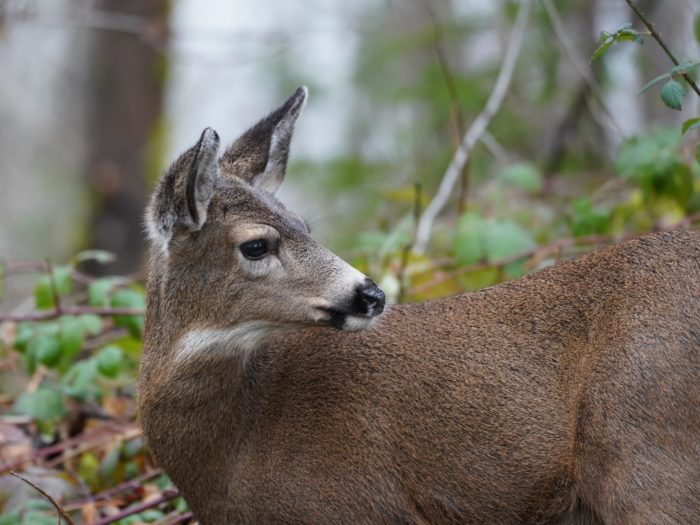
(371, 299)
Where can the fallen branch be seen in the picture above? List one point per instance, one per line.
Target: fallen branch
(476, 130)
(61, 513)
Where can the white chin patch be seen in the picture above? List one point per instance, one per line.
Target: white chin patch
(354, 323)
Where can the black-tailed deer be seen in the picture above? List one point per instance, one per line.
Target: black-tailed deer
(271, 391)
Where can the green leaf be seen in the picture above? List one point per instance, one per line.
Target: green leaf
(624, 34)
(587, 219)
(697, 28)
(110, 360)
(687, 66)
(63, 280)
(80, 379)
(100, 256)
(602, 48)
(691, 123)
(504, 238)
(99, 290)
(651, 83)
(43, 404)
(108, 468)
(45, 349)
(129, 298)
(523, 175)
(469, 241)
(71, 338)
(43, 289)
(672, 94)
(43, 293)
(11, 518)
(92, 323)
(36, 517)
(24, 334)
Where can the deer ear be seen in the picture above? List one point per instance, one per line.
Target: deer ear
(183, 193)
(259, 156)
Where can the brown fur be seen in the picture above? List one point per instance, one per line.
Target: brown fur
(571, 395)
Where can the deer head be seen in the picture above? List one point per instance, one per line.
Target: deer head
(230, 262)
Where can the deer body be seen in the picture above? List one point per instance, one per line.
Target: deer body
(571, 395)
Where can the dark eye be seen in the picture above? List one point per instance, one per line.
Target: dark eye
(256, 249)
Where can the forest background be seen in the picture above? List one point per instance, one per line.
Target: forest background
(446, 146)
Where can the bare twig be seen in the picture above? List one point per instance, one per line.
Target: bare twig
(539, 253)
(181, 518)
(54, 289)
(455, 106)
(662, 43)
(605, 119)
(61, 513)
(82, 441)
(168, 495)
(406, 252)
(70, 310)
(476, 130)
(126, 486)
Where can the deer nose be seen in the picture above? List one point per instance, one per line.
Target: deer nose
(371, 299)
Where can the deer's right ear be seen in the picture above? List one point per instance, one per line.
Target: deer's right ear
(183, 193)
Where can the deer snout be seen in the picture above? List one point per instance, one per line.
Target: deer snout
(369, 299)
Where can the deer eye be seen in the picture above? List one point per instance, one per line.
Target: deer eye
(256, 249)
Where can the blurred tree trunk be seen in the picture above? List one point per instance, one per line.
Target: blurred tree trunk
(127, 75)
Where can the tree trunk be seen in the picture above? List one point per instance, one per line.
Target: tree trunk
(128, 75)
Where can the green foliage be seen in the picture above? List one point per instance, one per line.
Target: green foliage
(624, 34)
(655, 163)
(587, 219)
(523, 175)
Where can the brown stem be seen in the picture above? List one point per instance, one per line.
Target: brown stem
(126, 486)
(54, 288)
(168, 494)
(180, 518)
(70, 310)
(663, 45)
(61, 513)
(456, 108)
(406, 252)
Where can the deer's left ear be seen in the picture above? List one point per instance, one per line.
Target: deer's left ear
(259, 156)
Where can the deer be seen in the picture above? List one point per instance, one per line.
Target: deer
(277, 386)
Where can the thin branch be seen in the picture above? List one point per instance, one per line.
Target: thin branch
(168, 494)
(406, 252)
(477, 129)
(455, 106)
(126, 486)
(180, 518)
(663, 44)
(61, 513)
(54, 289)
(607, 119)
(70, 310)
(82, 441)
(539, 253)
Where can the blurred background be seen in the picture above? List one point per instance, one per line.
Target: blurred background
(98, 97)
